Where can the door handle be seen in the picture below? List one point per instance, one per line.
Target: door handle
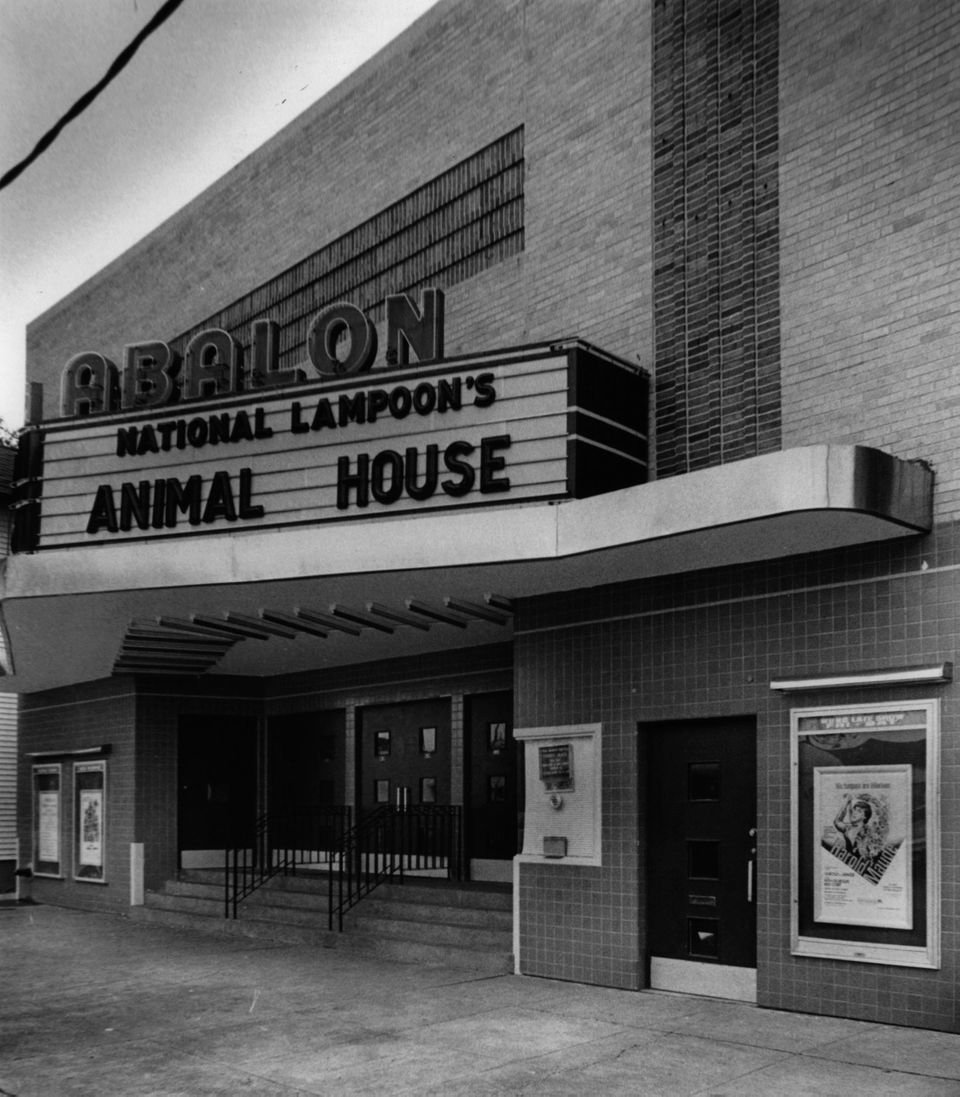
(751, 863)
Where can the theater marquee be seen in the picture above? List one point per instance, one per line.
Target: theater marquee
(539, 423)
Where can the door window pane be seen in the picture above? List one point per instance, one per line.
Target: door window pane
(703, 781)
(704, 937)
(703, 860)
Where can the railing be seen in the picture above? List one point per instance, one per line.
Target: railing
(390, 841)
(281, 842)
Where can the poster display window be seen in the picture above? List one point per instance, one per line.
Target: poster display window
(46, 820)
(865, 835)
(89, 815)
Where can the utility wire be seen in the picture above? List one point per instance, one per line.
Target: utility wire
(85, 100)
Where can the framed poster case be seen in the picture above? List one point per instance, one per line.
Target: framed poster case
(89, 820)
(865, 851)
(47, 855)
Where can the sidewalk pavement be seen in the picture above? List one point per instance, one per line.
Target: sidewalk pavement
(97, 1004)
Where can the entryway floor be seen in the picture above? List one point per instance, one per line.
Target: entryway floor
(97, 1004)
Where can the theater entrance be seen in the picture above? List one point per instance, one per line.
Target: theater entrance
(217, 787)
(701, 856)
(406, 758)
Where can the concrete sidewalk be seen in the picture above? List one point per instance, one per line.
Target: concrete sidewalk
(103, 1005)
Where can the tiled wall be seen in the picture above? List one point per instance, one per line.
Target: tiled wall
(708, 644)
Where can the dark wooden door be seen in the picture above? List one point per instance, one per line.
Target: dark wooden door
(492, 798)
(702, 841)
(404, 754)
(217, 781)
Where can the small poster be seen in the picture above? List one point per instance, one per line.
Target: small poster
(48, 827)
(862, 873)
(91, 827)
(556, 767)
(89, 847)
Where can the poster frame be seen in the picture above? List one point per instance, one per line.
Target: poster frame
(861, 943)
(97, 873)
(47, 769)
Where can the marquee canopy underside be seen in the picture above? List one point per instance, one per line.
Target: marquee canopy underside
(264, 603)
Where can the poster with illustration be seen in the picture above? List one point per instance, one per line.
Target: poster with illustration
(862, 874)
(91, 827)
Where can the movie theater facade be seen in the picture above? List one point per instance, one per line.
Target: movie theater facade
(550, 438)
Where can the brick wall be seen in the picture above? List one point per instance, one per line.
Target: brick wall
(707, 644)
(575, 76)
(870, 281)
(715, 224)
(62, 721)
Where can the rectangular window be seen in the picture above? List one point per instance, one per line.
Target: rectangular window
(865, 834)
(46, 821)
(89, 820)
(497, 788)
(497, 736)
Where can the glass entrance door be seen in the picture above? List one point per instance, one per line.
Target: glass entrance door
(702, 841)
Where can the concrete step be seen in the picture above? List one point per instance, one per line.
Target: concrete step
(497, 961)
(472, 896)
(384, 908)
(420, 921)
(209, 906)
(269, 931)
(440, 933)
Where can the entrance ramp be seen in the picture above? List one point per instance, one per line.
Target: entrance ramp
(424, 921)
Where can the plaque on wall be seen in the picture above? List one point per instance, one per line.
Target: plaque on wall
(556, 767)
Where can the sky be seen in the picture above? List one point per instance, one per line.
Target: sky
(211, 85)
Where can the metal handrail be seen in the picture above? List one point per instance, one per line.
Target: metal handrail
(390, 841)
(281, 842)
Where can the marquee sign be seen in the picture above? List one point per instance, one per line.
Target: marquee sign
(537, 423)
(341, 340)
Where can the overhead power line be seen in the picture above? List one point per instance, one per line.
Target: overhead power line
(85, 100)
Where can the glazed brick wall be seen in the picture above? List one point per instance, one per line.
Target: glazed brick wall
(870, 290)
(707, 644)
(70, 719)
(576, 76)
(715, 225)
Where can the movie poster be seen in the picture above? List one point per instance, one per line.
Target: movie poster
(862, 864)
(48, 827)
(91, 827)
